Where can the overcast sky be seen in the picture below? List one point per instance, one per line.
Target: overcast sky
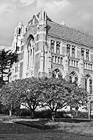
(75, 13)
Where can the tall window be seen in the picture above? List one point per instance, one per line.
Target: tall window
(61, 60)
(87, 55)
(19, 31)
(90, 83)
(82, 53)
(91, 66)
(52, 58)
(58, 47)
(73, 51)
(52, 46)
(55, 59)
(68, 49)
(85, 83)
(58, 59)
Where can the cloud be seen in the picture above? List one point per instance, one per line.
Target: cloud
(6, 8)
(25, 2)
(43, 3)
(75, 13)
(62, 3)
(54, 8)
(52, 3)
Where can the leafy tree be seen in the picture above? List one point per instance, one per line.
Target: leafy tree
(55, 95)
(7, 58)
(30, 94)
(77, 96)
(58, 93)
(10, 97)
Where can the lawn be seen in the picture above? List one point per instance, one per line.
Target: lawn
(18, 129)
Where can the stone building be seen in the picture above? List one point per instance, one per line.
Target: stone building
(48, 49)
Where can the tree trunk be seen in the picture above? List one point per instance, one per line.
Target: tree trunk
(76, 113)
(76, 108)
(10, 110)
(32, 115)
(10, 113)
(89, 110)
(52, 115)
(52, 118)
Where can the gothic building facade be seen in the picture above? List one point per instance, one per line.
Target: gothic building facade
(48, 49)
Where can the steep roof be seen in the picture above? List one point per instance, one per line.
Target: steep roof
(69, 34)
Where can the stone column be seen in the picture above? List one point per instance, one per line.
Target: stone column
(89, 56)
(41, 70)
(46, 60)
(55, 47)
(81, 66)
(89, 108)
(75, 52)
(84, 54)
(71, 51)
(66, 67)
(49, 65)
(29, 58)
(81, 72)
(25, 60)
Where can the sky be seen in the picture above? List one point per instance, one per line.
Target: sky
(74, 13)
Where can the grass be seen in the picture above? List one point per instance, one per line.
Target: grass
(17, 128)
(44, 129)
(16, 131)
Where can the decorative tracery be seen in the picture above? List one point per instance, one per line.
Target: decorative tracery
(73, 77)
(57, 73)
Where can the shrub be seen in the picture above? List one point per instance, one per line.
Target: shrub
(24, 112)
(43, 114)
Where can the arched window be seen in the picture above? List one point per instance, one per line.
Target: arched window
(73, 78)
(88, 83)
(29, 40)
(57, 73)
